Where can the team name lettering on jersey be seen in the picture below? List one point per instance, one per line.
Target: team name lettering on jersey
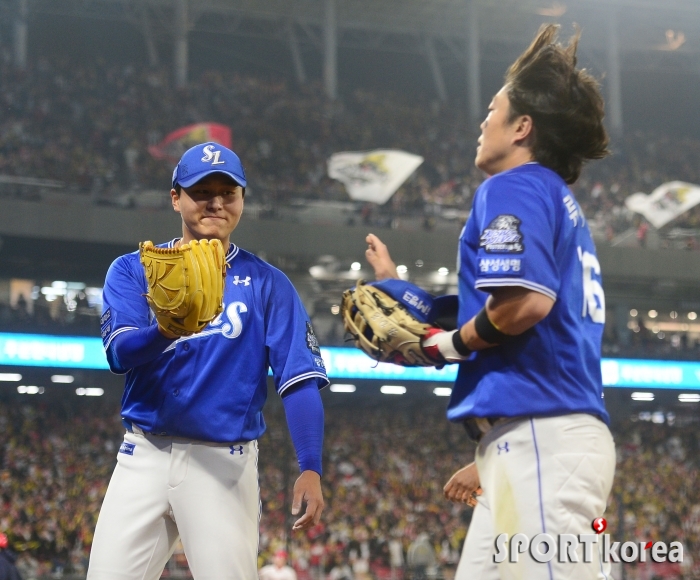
(233, 326)
(499, 265)
(503, 235)
(228, 324)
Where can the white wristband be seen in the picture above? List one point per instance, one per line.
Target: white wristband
(445, 346)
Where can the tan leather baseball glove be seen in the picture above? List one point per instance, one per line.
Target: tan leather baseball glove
(185, 284)
(383, 328)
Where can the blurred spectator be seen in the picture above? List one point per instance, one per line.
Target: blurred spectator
(384, 471)
(278, 570)
(421, 558)
(88, 125)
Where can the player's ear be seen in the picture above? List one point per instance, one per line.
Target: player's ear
(175, 198)
(524, 130)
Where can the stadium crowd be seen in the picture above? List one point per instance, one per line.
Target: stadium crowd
(89, 126)
(384, 471)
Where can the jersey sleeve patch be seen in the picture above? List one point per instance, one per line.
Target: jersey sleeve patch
(503, 236)
(311, 340)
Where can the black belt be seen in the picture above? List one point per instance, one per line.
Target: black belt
(477, 427)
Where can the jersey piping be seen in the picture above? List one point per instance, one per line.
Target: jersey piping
(301, 377)
(117, 333)
(487, 282)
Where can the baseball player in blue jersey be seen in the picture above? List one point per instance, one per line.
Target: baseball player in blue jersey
(530, 324)
(192, 405)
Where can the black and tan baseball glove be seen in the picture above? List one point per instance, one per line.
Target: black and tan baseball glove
(185, 284)
(383, 328)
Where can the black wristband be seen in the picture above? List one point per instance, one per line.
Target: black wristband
(486, 331)
(459, 345)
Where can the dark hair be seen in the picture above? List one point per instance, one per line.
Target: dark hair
(564, 103)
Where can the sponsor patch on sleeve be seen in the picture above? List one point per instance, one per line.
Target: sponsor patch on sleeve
(105, 331)
(503, 236)
(318, 361)
(311, 340)
(106, 317)
(510, 266)
(127, 448)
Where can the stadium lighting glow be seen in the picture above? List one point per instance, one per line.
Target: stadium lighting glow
(10, 377)
(62, 379)
(335, 309)
(392, 390)
(442, 391)
(637, 396)
(633, 312)
(443, 271)
(89, 392)
(674, 314)
(689, 398)
(341, 388)
(30, 390)
(653, 314)
(355, 266)
(692, 315)
(401, 269)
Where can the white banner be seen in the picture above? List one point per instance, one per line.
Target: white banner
(373, 175)
(665, 203)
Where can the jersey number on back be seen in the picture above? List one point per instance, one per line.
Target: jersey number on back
(593, 295)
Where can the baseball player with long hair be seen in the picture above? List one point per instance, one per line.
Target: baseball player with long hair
(195, 388)
(530, 323)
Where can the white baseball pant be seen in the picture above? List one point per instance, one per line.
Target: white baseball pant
(539, 475)
(166, 487)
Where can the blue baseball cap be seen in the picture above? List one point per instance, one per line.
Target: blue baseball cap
(205, 159)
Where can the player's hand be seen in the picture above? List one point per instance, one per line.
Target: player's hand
(377, 255)
(464, 486)
(307, 489)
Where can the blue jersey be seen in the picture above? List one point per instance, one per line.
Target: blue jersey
(212, 386)
(526, 229)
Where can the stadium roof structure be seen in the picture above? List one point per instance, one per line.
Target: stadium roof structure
(643, 24)
(618, 34)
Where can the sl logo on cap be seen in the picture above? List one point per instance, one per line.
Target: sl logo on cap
(210, 154)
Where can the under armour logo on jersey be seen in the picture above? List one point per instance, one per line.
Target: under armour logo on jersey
(503, 448)
(245, 282)
(210, 154)
(236, 449)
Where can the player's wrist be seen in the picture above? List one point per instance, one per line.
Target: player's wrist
(487, 331)
(312, 471)
(445, 346)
